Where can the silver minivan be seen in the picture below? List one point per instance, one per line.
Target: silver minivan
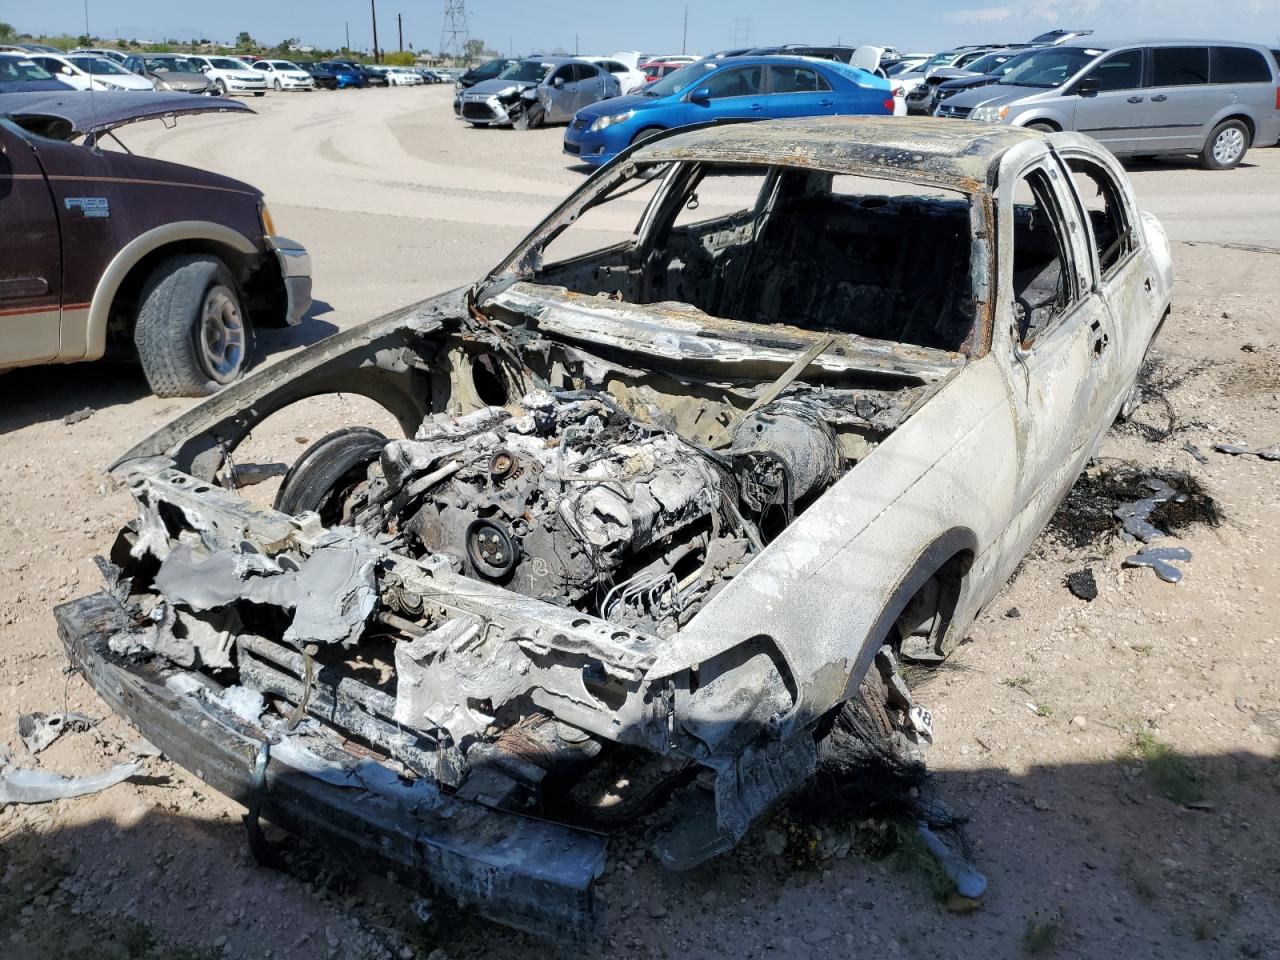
(1140, 98)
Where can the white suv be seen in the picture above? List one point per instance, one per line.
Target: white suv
(285, 75)
(230, 75)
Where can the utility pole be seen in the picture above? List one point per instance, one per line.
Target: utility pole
(347, 48)
(373, 12)
(400, 28)
(684, 40)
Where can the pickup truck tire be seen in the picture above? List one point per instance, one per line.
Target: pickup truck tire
(192, 335)
(1227, 144)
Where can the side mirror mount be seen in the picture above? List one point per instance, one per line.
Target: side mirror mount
(701, 95)
(558, 82)
(1088, 87)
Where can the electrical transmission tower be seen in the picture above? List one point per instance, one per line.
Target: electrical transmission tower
(454, 34)
(742, 32)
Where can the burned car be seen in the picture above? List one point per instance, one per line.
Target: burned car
(656, 509)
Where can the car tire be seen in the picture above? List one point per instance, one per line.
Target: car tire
(220, 87)
(259, 93)
(192, 335)
(1226, 146)
(279, 85)
(648, 133)
(537, 115)
(327, 471)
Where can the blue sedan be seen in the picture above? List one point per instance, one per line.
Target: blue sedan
(755, 88)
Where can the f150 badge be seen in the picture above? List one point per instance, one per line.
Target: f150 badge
(93, 208)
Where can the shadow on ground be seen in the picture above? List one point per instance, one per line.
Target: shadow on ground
(30, 395)
(1084, 860)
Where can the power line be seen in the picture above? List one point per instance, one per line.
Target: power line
(455, 33)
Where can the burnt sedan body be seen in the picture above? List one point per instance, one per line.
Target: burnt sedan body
(656, 509)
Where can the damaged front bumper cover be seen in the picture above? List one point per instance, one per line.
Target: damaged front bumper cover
(526, 873)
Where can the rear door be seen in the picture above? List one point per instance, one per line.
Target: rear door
(1180, 101)
(30, 256)
(1117, 114)
(799, 91)
(590, 79)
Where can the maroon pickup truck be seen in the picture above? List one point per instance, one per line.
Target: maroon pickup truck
(105, 248)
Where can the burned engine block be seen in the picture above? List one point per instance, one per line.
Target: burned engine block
(552, 503)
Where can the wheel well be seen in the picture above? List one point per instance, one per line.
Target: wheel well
(1044, 122)
(1243, 118)
(643, 130)
(124, 305)
(924, 627)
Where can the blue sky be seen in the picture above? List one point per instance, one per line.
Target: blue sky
(654, 25)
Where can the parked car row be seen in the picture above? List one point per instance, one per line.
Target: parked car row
(1147, 98)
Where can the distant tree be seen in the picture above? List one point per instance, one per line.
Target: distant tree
(398, 59)
(84, 40)
(473, 49)
(7, 33)
(245, 43)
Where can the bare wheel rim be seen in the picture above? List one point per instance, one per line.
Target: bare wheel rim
(221, 337)
(1228, 145)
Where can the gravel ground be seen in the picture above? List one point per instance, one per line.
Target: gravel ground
(1062, 725)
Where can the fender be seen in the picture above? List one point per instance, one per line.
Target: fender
(95, 341)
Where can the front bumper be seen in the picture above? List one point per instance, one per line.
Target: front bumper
(245, 86)
(594, 149)
(530, 874)
(295, 271)
(485, 111)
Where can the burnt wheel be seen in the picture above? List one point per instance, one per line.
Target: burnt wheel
(328, 471)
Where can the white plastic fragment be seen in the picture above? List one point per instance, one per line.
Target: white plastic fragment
(19, 785)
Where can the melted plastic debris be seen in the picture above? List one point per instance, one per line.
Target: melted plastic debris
(331, 594)
(19, 785)
(1159, 559)
(39, 730)
(1265, 453)
(1087, 516)
(1135, 517)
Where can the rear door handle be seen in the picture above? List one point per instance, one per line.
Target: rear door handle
(757, 106)
(826, 103)
(1159, 98)
(1135, 99)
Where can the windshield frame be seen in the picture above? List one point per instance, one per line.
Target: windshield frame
(93, 65)
(1083, 57)
(169, 65)
(678, 81)
(515, 71)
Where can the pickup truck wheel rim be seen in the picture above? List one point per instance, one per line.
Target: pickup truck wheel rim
(222, 335)
(1228, 146)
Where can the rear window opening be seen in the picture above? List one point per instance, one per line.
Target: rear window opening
(780, 245)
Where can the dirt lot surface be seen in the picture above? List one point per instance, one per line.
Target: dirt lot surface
(1063, 726)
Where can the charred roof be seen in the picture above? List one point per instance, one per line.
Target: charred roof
(947, 153)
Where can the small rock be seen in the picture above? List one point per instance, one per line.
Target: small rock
(657, 911)
(219, 943)
(73, 418)
(1083, 585)
(1041, 804)
(1079, 722)
(1013, 613)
